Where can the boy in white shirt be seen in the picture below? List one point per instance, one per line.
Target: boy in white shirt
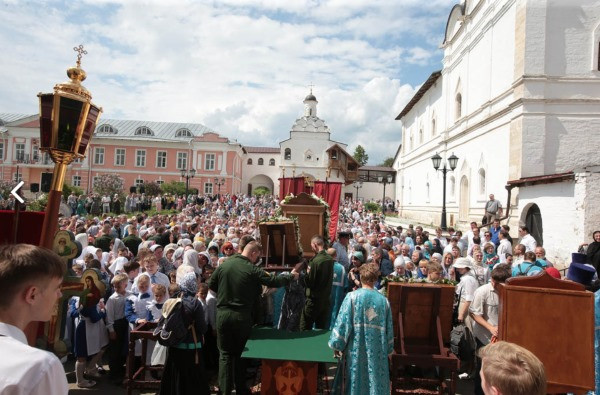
(30, 281)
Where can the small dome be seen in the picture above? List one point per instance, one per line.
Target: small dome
(310, 97)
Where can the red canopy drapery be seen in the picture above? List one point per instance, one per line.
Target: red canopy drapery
(331, 192)
(291, 186)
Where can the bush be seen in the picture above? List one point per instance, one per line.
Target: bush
(261, 191)
(67, 189)
(176, 188)
(372, 206)
(38, 204)
(6, 187)
(151, 188)
(109, 184)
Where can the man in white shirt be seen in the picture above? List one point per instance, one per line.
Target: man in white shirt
(30, 281)
(504, 247)
(526, 239)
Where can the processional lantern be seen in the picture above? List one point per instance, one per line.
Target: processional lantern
(67, 122)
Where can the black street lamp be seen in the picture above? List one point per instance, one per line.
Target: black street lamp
(357, 185)
(218, 183)
(187, 174)
(437, 160)
(384, 180)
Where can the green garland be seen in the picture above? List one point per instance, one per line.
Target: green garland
(393, 279)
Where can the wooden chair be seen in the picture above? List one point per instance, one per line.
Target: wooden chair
(419, 342)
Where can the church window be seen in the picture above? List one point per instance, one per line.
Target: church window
(411, 141)
(433, 126)
(143, 131)
(249, 161)
(271, 162)
(458, 104)
(308, 155)
(421, 136)
(334, 154)
(261, 161)
(287, 154)
(481, 181)
(452, 186)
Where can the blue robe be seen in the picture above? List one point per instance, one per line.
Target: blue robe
(363, 332)
(338, 291)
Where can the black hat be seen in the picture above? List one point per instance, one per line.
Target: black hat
(345, 234)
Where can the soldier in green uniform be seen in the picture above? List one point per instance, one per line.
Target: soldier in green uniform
(318, 288)
(238, 283)
(103, 242)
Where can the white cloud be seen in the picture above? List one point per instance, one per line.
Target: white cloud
(240, 67)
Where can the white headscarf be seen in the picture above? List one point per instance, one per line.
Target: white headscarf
(190, 258)
(117, 265)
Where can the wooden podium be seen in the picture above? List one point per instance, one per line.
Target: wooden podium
(279, 244)
(554, 319)
(311, 219)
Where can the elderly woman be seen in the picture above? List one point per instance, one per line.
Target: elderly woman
(362, 338)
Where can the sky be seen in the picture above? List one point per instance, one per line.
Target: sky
(239, 67)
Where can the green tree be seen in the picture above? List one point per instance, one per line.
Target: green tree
(151, 188)
(67, 189)
(260, 191)
(388, 162)
(176, 188)
(360, 155)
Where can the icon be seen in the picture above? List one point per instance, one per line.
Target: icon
(15, 189)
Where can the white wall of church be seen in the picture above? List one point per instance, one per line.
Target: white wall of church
(371, 191)
(261, 175)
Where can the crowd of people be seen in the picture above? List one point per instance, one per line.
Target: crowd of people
(208, 256)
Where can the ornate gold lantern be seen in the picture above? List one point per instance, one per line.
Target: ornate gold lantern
(67, 121)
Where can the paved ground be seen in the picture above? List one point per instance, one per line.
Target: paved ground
(104, 387)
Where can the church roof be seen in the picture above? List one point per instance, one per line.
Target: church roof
(310, 97)
(310, 124)
(424, 88)
(262, 150)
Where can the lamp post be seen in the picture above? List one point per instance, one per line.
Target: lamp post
(357, 185)
(452, 160)
(218, 183)
(384, 180)
(67, 121)
(187, 174)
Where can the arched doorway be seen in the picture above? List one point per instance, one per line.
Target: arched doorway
(260, 180)
(533, 221)
(464, 204)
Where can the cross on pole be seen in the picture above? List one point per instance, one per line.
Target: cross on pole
(311, 87)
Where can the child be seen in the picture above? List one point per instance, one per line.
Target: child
(118, 329)
(136, 307)
(150, 263)
(155, 307)
(434, 272)
(90, 335)
(132, 269)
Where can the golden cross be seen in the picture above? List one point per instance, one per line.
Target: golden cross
(80, 52)
(311, 86)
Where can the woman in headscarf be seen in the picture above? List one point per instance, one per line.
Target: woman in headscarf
(178, 257)
(190, 258)
(490, 258)
(184, 368)
(593, 251)
(166, 262)
(356, 260)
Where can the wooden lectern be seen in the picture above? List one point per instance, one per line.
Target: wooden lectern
(279, 244)
(554, 319)
(311, 219)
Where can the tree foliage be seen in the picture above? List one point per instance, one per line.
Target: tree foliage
(388, 162)
(360, 155)
(6, 187)
(109, 184)
(67, 189)
(152, 188)
(372, 207)
(261, 191)
(176, 188)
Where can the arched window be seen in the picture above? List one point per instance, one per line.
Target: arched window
(271, 162)
(458, 104)
(433, 126)
(183, 132)
(249, 161)
(144, 131)
(411, 141)
(481, 181)
(452, 186)
(287, 155)
(108, 129)
(421, 136)
(261, 161)
(427, 186)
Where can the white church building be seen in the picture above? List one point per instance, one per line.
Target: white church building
(518, 102)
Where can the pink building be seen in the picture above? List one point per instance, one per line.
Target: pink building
(137, 151)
